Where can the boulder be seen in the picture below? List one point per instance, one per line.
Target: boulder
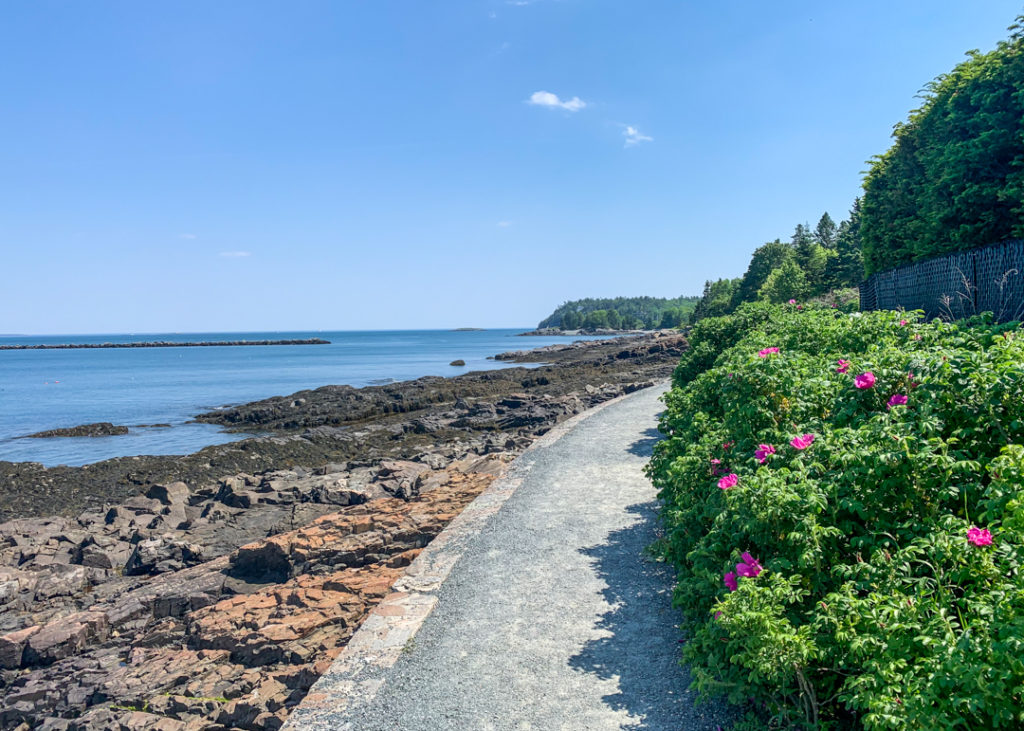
(177, 493)
(159, 555)
(65, 637)
(12, 647)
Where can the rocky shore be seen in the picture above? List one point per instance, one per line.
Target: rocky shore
(549, 331)
(99, 429)
(210, 591)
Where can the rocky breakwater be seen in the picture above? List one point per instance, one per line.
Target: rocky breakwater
(166, 344)
(209, 591)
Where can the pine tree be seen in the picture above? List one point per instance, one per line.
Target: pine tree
(848, 269)
(825, 232)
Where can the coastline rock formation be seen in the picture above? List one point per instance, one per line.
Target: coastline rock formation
(99, 429)
(167, 344)
(210, 591)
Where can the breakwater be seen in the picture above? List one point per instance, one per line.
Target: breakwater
(166, 344)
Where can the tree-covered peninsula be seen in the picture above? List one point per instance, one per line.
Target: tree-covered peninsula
(620, 313)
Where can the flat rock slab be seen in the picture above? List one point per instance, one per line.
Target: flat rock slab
(537, 608)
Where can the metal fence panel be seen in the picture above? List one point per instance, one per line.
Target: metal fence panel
(959, 284)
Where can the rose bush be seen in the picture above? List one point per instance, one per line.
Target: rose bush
(888, 532)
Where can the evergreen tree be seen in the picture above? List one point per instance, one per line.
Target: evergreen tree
(825, 232)
(802, 241)
(848, 268)
(954, 177)
(716, 299)
(571, 320)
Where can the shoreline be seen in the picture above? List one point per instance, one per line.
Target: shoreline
(212, 589)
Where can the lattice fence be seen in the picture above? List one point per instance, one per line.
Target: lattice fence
(960, 284)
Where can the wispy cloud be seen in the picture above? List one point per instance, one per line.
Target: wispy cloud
(634, 137)
(547, 99)
(235, 254)
(186, 236)
(504, 224)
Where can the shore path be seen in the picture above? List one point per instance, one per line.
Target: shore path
(551, 616)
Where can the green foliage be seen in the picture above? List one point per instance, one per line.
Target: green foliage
(848, 268)
(716, 299)
(619, 312)
(810, 265)
(873, 610)
(764, 261)
(954, 179)
(826, 231)
(787, 282)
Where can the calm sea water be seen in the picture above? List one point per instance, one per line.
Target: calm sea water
(48, 389)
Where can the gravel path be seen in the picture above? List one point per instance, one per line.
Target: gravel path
(553, 618)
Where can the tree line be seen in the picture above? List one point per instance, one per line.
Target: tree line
(621, 313)
(813, 262)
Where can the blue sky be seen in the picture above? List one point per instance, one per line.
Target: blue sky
(199, 166)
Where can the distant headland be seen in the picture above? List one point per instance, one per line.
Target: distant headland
(166, 344)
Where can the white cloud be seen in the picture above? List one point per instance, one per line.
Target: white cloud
(547, 99)
(186, 236)
(235, 254)
(633, 136)
(504, 224)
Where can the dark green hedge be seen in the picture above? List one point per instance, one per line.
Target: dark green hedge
(954, 179)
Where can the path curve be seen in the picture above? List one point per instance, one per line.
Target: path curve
(550, 617)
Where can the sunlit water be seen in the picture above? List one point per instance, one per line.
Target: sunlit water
(48, 389)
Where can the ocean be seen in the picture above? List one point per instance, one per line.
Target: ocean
(49, 389)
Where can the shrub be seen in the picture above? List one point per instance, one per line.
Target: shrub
(861, 599)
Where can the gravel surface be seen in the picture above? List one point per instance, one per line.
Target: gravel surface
(554, 618)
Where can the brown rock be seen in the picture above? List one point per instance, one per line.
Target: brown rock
(65, 637)
(12, 647)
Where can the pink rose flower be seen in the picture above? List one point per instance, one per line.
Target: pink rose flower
(864, 380)
(750, 567)
(903, 323)
(802, 442)
(728, 481)
(728, 445)
(716, 467)
(979, 536)
(766, 352)
(898, 399)
(844, 366)
(730, 581)
(792, 302)
(764, 451)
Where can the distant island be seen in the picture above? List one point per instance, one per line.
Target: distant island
(620, 313)
(468, 330)
(166, 344)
